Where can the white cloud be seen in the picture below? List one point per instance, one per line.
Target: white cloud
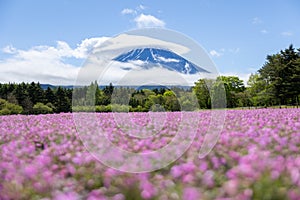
(264, 31)
(87, 45)
(214, 53)
(9, 49)
(287, 33)
(143, 21)
(256, 20)
(45, 64)
(142, 7)
(140, 76)
(222, 51)
(127, 11)
(128, 41)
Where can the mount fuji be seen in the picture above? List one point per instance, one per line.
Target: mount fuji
(155, 57)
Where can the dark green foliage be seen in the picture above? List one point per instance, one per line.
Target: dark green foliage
(50, 96)
(107, 91)
(35, 92)
(32, 99)
(223, 92)
(281, 78)
(202, 91)
(63, 103)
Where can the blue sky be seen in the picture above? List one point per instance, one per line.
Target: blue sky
(47, 40)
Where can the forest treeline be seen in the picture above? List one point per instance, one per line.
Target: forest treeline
(31, 98)
(277, 82)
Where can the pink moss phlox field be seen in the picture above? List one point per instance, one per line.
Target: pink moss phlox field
(256, 157)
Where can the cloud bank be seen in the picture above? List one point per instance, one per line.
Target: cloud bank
(45, 64)
(146, 21)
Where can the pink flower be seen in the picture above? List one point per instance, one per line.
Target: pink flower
(208, 178)
(44, 159)
(188, 167)
(294, 194)
(68, 195)
(77, 161)
(146, 194)
(275, 174)
(295, 175)
(148, 190)
(203, 166)
(176, 171)
(96, 195)
(191, 193)
(118, 197)
(231, 187)
(188, 178)
(30, 171)
(248, 193)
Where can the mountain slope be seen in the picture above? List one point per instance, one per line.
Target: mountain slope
(151, 57)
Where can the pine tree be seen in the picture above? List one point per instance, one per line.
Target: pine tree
(50, 96)
(63, 103)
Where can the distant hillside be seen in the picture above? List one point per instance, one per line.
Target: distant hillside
(45, 86)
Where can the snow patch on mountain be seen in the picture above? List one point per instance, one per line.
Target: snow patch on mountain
(167, 59)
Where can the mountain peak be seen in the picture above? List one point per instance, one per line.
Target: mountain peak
(160, 57)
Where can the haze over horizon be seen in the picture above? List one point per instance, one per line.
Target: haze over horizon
(49, 41)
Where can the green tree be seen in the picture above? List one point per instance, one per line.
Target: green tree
(259, 91)
(35, 92)
(50, 96)
(232, 85)
(40, 108)
(7, 108)
(11, 98)
(90, 98)
(107, 91)
(27, 105)
(63, 103)
(202, 91)
(218, 94)
(121, 95)
(171, 101)
(188, 101)
(281, 73)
